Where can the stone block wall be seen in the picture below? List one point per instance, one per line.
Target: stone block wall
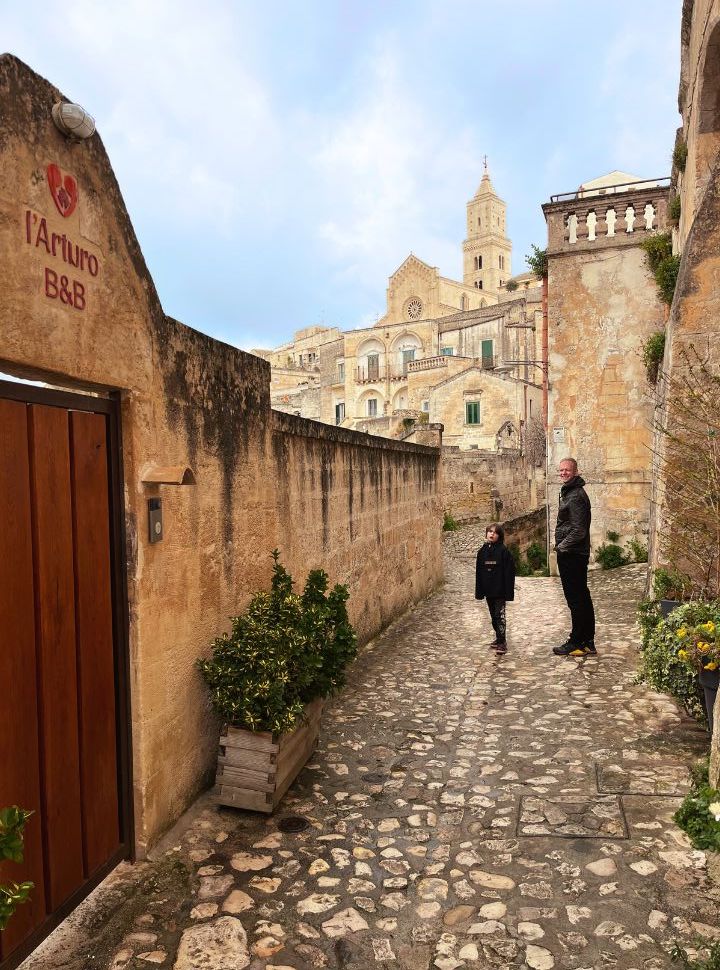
(602, 306)
(365, 510)
(490, 486)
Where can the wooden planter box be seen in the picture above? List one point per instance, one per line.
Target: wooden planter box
(256, 768)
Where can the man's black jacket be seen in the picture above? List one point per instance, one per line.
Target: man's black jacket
(572, 532)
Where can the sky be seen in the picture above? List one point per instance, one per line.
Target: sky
(280, 160)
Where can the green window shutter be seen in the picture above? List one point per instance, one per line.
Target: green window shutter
(472, 412)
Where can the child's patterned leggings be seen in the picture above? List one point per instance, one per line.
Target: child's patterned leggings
(497, 615)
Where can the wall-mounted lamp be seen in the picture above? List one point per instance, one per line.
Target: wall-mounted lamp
(72, 120)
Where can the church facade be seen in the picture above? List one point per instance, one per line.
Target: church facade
(461, 353)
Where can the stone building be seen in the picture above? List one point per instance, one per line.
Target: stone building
(602, 306)
(693, 331)
(144, 481)
(460, 354)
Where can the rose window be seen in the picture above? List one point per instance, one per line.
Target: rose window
(414, 309)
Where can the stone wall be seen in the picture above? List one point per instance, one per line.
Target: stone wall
(365, 508)
(602, 306)
(490, 486)
(262, 480)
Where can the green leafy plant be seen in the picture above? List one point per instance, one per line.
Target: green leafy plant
(648, 617)
(674, 209)
(284, 651)
(680, 154)
(408, 423)
(638, 550)
(450, 523)
(699, 813)
(660, 665)
(537, 260)
(12, 826)
(669, 584)
(663, 265)
(536, 556)
(522, 568)
(610, 555)
(712, 962)
(653, 351)
(511, 286)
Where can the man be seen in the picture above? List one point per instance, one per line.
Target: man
(572, 544)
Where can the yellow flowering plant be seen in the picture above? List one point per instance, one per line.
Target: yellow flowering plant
(698, 647)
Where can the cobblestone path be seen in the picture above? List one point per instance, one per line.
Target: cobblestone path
(465, 811)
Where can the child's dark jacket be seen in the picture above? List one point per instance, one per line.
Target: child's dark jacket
(494, 572)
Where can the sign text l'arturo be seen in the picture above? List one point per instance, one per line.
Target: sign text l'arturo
(66, 285)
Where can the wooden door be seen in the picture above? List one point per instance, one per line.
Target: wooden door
(59, 660)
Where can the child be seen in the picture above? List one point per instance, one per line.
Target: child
(495, 580)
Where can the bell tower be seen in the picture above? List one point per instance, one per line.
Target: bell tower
(487, 250)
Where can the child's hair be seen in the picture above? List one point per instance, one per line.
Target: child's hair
(497, 528)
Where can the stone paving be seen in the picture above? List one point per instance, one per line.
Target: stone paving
(465, 811)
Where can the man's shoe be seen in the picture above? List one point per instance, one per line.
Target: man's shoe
(590, 648)
(569, 649)
(501, 648)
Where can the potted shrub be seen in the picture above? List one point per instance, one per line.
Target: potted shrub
(268, 677)
(664, 664)
(699, 649)
(669, 589)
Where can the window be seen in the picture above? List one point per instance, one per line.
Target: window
(472, 412)
(340, 412)
(372, 407)
(501, 262)
(487, 353)
(478, 262)
(447, 352)
(341, 370)
(425, 406)
(373, 366)
(407, 356)
(478, 283)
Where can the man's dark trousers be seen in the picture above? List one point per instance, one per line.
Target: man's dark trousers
(573, 569)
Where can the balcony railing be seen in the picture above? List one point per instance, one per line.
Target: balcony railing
(488, 361)
(427, 363)
(370, 375)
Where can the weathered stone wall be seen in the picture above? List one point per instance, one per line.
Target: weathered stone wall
(365, 508)
(602, 306)
(490, 486)
(189, 400)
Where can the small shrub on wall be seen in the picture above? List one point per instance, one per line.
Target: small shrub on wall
(653, 351)
(450, 523)
(663, 265)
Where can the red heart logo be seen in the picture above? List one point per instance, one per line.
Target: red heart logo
(63, 189)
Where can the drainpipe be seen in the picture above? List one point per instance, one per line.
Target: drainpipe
(544, 359)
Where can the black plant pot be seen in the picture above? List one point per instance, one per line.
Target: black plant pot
(709, 681)
(667, 606)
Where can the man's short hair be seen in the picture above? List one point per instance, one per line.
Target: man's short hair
(573, 460)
